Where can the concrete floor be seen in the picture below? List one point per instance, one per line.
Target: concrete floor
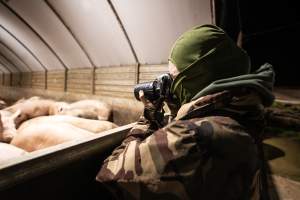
(285, 94)
(286, 189)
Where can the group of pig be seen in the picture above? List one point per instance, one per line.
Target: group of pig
(36, 123)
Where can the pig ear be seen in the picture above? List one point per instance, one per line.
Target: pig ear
(16, 114)
(60, 109)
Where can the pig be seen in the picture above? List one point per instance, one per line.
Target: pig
(90, 109)
(58, 107)
(22, 100)
(37, 136)
(13, 116)
(35, 98)
(8, 151)
(7, 125)
(94, 126)
(45, 131)
(30, 108)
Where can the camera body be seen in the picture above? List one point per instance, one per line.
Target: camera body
(157, 90)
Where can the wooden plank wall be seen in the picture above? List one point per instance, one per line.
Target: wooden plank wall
(56, 80)
(16, 79)
(26, 80)
(115, 81)
(150, 72)
(112, 81)
(38, 80)
(80, 80)
(1, 78)
(7, 80)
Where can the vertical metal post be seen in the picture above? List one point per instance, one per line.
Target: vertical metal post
(93, 70)
(66, 80)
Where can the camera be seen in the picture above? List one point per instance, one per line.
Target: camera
(157, 90)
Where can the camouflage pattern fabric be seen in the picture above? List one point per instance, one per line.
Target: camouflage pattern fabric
(208, 152)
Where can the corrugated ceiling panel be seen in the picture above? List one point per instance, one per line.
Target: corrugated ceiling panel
(47, 24)
(24, 34)
(8, 64)
(13, 58)
(23, 53)
(97, 29)
(154, 25)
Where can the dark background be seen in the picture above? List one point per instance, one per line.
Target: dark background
(270, 33)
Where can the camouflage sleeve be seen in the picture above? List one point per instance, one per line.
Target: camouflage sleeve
(180, 161)
(138, 133)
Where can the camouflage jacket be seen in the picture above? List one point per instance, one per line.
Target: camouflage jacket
(208, 152)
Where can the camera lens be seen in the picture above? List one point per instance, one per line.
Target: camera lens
(150, 89)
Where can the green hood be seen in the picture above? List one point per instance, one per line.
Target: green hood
(202, 55)
(261, 81)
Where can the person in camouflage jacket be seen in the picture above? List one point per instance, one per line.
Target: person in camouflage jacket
(209, 151)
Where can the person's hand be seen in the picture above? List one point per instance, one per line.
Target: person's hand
(152, 110)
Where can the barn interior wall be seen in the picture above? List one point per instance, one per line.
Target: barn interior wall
(113, 84)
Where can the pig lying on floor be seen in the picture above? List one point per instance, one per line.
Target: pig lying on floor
(7, 125)
(89, 109)
(31, 108)
(13, 116)
(8, 151)
(42, 132)
(43, 135)
(91, 125)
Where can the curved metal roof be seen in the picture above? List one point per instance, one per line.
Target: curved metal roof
(38, 35)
